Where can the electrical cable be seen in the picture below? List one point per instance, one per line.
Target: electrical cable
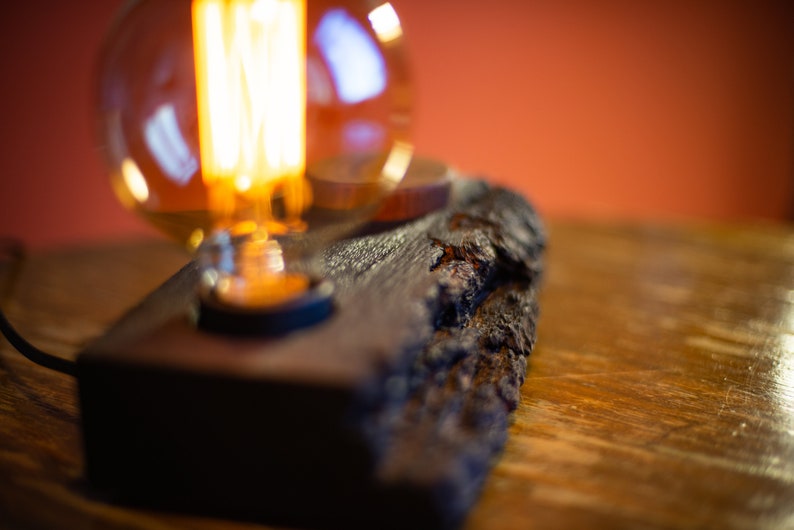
(12, 253)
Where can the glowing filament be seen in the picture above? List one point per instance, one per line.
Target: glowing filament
(251, 91)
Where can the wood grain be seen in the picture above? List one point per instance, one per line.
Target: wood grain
(660, 393)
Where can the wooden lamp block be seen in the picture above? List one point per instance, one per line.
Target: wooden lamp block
(387, 415)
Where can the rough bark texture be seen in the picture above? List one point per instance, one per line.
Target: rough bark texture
(388, 415)
(464, 383)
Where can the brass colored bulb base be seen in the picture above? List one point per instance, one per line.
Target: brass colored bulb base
(306, 310)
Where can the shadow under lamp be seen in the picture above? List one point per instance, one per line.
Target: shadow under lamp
(256, 132)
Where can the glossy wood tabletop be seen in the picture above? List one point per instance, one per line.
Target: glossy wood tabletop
(660, 393)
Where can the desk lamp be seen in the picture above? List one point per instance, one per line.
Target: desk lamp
(257, 132)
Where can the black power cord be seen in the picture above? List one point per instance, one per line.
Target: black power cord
(12, 255)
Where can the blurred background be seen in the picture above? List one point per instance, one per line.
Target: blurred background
(652, 110)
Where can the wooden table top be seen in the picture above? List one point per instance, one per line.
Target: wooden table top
(660, 393)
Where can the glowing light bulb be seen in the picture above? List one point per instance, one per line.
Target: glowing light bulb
(257, 131)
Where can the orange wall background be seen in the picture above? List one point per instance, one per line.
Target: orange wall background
(651, 110)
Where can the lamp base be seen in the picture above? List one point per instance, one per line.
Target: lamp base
(387, 414)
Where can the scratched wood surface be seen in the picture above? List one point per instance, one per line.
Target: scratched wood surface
(660, 393)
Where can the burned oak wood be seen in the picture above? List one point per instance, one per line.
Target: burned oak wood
(387, 415)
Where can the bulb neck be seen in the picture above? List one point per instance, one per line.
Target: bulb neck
(248, 270)
(247, 287)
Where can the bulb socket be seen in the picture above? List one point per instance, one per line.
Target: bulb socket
(308, 309)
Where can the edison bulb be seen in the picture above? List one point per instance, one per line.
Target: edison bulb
(256, 130)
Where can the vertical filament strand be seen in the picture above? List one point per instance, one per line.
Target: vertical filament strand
(251, 93)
